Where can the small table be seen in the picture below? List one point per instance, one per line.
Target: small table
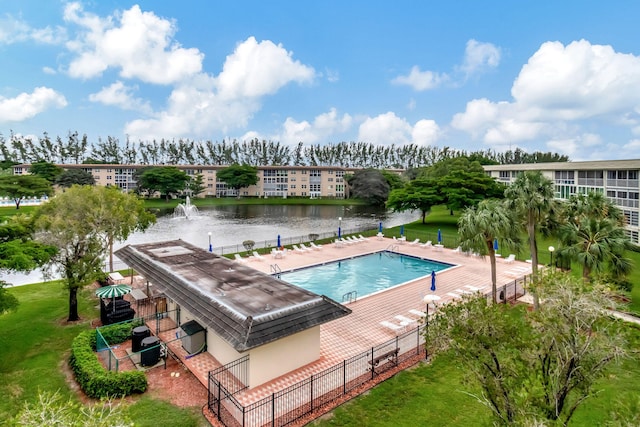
(438, 247)
(278, 254)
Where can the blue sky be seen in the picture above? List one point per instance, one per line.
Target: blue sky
(560, 76)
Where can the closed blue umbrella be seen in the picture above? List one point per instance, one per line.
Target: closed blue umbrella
(439, 236)
(495, 244)
(402, 230)
(380, 227)
(339, 232)
(279, 245)
(433, 281)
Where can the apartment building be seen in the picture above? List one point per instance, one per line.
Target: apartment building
(616, 179)
(273, 181)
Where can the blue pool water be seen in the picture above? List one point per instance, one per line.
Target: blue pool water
(365, 274)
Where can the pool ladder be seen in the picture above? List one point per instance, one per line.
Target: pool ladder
(275, 270)
(350, 296)
(392, 248)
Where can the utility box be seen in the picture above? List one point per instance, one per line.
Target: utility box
(193, 337)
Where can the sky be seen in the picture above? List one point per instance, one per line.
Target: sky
(560, 76)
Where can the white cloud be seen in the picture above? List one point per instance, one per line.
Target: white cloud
(139, 44)
(258, 69)
(559, 87)
(421, 80)
(386, 129)
(203, 104)
(13, 30)
(28, 105)
(323, 127)
(120, 95)
(49, 70)
(479, 56)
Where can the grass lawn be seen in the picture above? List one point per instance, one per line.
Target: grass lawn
(34, 346)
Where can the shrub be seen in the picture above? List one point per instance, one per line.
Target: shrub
(93, 378)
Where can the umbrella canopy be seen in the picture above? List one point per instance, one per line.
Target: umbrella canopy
(433, 281)
(113, 291)
(339, 232)
(439, 236)
(279, 241)
(402, 230)
(495, 244)
(380, 227)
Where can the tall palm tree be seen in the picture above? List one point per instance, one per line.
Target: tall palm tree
(593, 235)
(479, 226)
(531, 196)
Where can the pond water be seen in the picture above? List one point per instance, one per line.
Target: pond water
(230, 225)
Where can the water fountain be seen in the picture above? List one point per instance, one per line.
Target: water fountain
(186, 210)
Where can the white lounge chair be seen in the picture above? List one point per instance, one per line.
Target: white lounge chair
(457, 250)
(417, 312)
(427, 244)
(362, 238)
(454, 295)
(405, 319)
(314, 246)
(392, 326)
(240, 259)
(350, 240)
(415, 242)
(297, 249)
(257, 256)
(304, 248)
(345, 241)
(510, 259)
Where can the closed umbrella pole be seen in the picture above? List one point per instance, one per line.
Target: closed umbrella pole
(279, 245)
(439, 236)
(433, 281)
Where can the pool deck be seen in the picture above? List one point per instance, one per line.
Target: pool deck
(361, 330)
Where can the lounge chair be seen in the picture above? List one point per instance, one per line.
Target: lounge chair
(338, 243)
(257, 256)
(404, 319)
(350, 240)
(392, 326)
(297, 249)
(240, 259)
(304, 248)
(345, 241)
(454, 295)
(510, 259)
(362, 238)
(314, 246)
(427, 244)
(417, 312)
(415, 242)
(457, 250)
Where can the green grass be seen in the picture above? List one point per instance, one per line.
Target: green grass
(34, 347)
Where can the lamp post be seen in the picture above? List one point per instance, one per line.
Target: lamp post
(551, 250)
(339, 227)
(428, 299)
(210, 247)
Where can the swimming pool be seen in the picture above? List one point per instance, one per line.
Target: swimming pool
(364, 274)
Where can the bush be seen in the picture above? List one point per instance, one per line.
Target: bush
(93, 378)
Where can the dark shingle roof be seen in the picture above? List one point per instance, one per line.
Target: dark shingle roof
(245, 307)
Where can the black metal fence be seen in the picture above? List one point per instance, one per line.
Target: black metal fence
(294, 402)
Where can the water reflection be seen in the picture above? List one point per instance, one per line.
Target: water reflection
(230, 225)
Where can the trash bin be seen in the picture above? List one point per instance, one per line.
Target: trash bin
(193, 337)
(150, 348)
(137, 335)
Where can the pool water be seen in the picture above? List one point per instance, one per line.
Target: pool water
(364, 274)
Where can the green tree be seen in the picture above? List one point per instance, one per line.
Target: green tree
(370, 185)
(238, 176)
(531, 196)
(479, 226)
(463, 188)
(394, 180)
(166, 180)
(196, 185)
(46, 170)
(80, 223)
(534, 368)
(74, 177)
(420, 194)
(18, 187)
(592, 234)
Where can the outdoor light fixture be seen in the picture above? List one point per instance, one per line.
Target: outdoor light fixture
(551, 250)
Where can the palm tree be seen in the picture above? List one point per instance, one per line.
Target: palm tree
(479, 226)
(593, 235)
(531, 195)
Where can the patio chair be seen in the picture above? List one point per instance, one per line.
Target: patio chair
(405, 319)
(297, 249)
(304, 248)
(457, 250)
(417, 312)
(380, 236)
(427, 244)
(415, 242)
(392, 326)
(362, 238)
(240, 259)
(257, 256)
(314, 246)
(510, 259)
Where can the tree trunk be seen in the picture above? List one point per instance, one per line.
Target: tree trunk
(424, 216)
(73, 305)
(17, 202)
(110, 253)
(533, 247)
(494, 279)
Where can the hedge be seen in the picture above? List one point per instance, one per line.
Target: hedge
(94, 379)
